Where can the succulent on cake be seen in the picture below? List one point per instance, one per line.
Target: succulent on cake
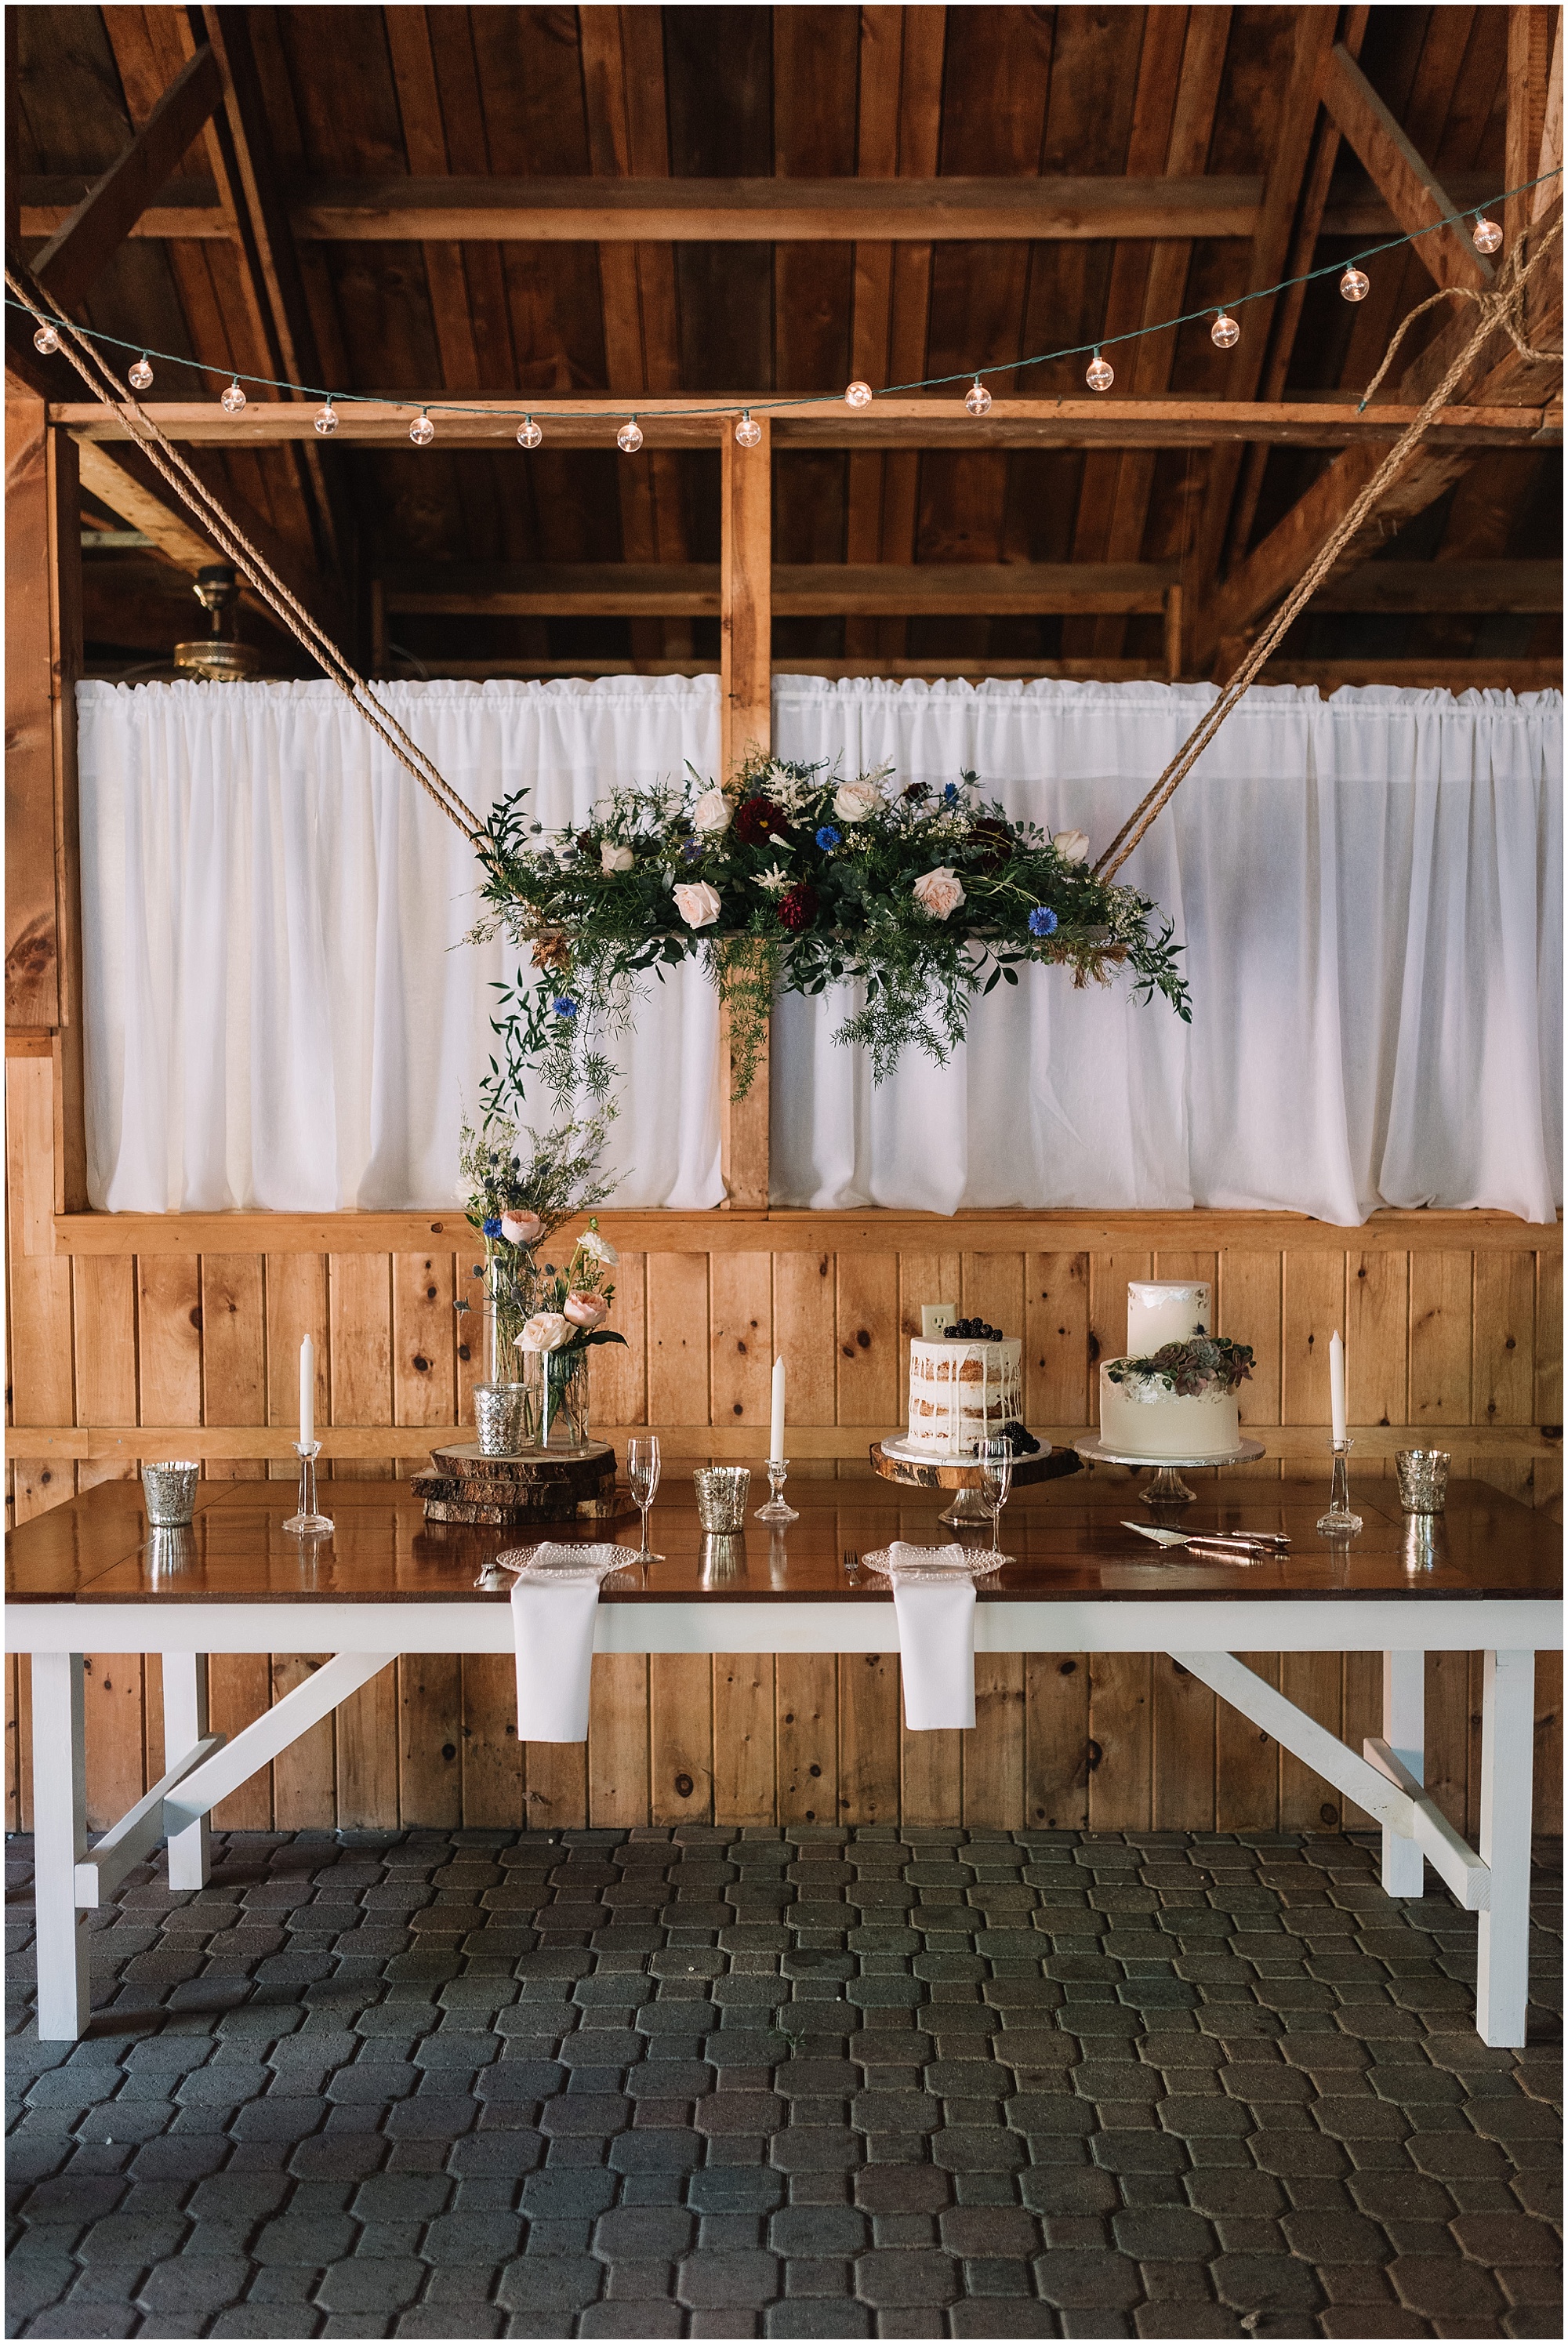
(1203, 1364)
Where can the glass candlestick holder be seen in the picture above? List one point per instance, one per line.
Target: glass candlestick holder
(306, 1521)
(775, 1511)
(1339, 1522)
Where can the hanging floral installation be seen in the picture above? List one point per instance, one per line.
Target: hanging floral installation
(791, 876)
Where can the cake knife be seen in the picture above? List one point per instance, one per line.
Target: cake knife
(1240, 1542)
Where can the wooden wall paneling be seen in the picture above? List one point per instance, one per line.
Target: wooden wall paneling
(744, 1770)
(363, 1388)
(1377, 1337)
(1315, 1683)
(994, 1747)
(42, 1381)
(930, 1776)
(555, 1775)
(807, 1735)
(233, 1352)
(1447, 1774)
(468, 1346)
(430, 1739)
(1109, 1277)
(869, 1711)
(368, 1744)
(424, 1353)
(1055, 1339)
(1504, 1359)
(304, 1786)
(13, 1747)
(1314, 1307)
(1361, 1711)
(1440, 1337)
(993, 1289)
(618, 1788)
(617, 1373)
(1183, 1794)
(680, 1698)
(867, 1339)
(1250, 1308)
(678, 1339)
(492, 1758)
(741, 1334)
(113, 1709)
(1246, 1762)
(305, 1776)
(1547, 1818)
(296, 1307)
(1121, 1734)
(114, 1686)
(803, 1323)
(429, 1686)
(1057, 1741)
(924, 1279)
(1549, 1339)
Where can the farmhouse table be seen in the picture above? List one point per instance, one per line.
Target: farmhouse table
(1486, 1576)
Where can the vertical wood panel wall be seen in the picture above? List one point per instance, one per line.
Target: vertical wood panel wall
(1450, 1343)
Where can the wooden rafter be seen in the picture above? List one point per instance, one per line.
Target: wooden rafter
(1408, 185)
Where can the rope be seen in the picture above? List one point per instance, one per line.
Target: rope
(167, 461)
(1497, 309)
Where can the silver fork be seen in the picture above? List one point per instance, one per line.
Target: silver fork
(851, 1563)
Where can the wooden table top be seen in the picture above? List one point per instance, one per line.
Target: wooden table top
(1066, 1537)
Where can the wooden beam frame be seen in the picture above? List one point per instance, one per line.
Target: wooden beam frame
(1409, 187)
(75, 255)
(745, 727)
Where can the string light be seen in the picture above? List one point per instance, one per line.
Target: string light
(326, 419)
(422, 430)
(629, 438)
(528, 434)
(1224, 333)
(1486, 236)
(140, 375)
(747, 433)
(233, 400)
(1354, 284)
(977, 398)
(46, 340)
(1098, 374)
(858, 394)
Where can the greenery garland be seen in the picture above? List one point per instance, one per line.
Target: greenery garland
(792, 876)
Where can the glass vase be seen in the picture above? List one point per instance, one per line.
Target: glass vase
(510, 1284)
(563, 1398)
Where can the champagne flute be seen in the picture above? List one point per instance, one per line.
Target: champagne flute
(995, 1480)
(642, 1481)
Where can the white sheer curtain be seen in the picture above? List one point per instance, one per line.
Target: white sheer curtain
(1368, 890)
(280, 1012)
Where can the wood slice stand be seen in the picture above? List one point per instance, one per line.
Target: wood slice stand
(538, 1485)
(966, 1513)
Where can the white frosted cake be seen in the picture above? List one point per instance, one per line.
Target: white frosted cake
(1175, 1393)
(962, 1389)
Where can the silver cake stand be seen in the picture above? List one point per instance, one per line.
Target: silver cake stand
(1168, 1488)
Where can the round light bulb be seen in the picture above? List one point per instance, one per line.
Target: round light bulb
(1486, 236)
(857, 395)
(747, 433)
(140, 375)
(1354, 284)
(233, 401)
(46, 340)
(528, 434)
(1098, 374)
(629, 438)
(977, 398)
(1224, 333)
(422, 430)
(327, 420)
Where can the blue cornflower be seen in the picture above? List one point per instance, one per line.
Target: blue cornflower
(1042, 921)
(950, 793)
(827, 838)
(492, 1226)
(564, 1005)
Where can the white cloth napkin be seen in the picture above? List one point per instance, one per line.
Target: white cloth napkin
(935, 1640)
(552, 1626)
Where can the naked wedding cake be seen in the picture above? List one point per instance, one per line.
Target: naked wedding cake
(1175, 1393)
(965, 1384)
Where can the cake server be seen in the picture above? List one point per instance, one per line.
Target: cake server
(1240, 1543)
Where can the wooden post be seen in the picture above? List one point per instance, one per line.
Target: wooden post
(745, 723)
(1529, 66)
(1173, 635)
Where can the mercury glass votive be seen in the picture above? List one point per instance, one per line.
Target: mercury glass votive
(721, 1494)
(499, 1414)
(1422, 1477)
(169, 1491)
(723, 1557)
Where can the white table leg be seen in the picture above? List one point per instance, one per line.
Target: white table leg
(59, 1841)
(1404, 1730)
(1507, 1767)
(184, 1725)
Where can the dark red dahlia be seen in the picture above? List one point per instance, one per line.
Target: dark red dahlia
(991, 841)
(759, 819)
(797, 910)
(916, 791)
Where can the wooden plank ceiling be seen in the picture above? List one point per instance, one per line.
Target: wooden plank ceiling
(308, 231)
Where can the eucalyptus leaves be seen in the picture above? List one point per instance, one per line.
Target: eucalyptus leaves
(792, 876)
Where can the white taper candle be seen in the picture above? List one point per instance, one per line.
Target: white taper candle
(307, 1392)
(776, 1430)
(1337, 1384)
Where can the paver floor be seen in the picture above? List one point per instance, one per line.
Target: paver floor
(812, 2083)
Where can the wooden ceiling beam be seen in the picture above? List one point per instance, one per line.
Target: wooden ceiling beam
(1410, 188)
(1431, 674)
(76, 252)
(915, 422)
(1530, 31)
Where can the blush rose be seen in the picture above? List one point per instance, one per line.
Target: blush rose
(698, 904)
(939, 892)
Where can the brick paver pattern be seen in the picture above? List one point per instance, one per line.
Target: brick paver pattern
(807, 2083)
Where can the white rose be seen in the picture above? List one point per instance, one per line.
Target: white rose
(939, 892)
(615, 858)
(1072, 845)
(545, 1332)
(698, 904)
(711, 811)
(600, 1249)
(854, 799)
